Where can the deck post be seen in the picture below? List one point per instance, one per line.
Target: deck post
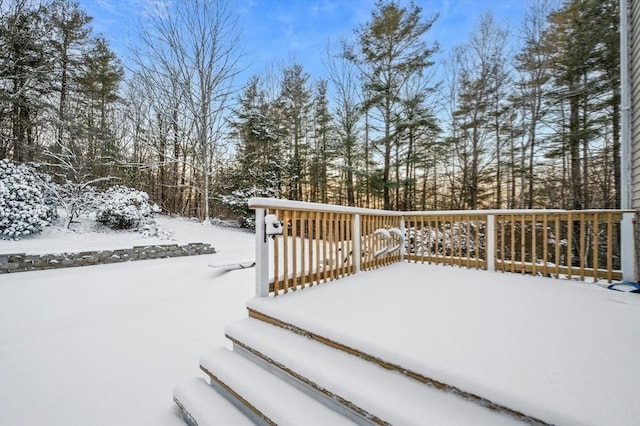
(627, 247)
(262, 256)
(491, 242)
(357, 251)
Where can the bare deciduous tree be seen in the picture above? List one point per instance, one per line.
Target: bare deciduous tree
(189, 56)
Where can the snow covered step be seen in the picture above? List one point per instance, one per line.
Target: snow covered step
(202, 405)
(384, 396)
(268, 399)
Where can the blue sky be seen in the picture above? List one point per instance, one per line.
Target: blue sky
(278, 31)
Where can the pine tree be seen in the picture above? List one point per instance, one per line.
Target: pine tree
(69, 40)
(295, 105)
(25, 70)
(322, 147)
(98, 83)
(391, 51)
(573, 35)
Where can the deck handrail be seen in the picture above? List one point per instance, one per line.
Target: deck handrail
(278, 203)
(323, 242)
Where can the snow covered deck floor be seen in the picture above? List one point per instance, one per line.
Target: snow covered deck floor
(557, 351)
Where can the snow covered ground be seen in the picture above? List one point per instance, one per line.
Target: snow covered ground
(106, 344)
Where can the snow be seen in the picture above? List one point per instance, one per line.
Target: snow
(196, 393)
(401, 401)
(107, 344)
(561, 351)
(87, 235)
(271, 203)
(267, 392)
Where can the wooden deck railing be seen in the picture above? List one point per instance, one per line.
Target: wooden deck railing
(454, 238)
(321, 243)
(575, 244)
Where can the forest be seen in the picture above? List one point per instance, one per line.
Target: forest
(523, 117)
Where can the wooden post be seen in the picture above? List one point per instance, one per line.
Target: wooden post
(491, 242)
(357, 250)
(627, 249)
(262, 256)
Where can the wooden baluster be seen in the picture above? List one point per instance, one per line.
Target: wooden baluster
(596, 227)
(502, 246)
(545, 242)
(523, 244)
(285, 250)
(609, 247)
(423, 241)
(557, 245)
(569, 245)
(456, 244)
(467, 240)
(582, 242)
(513, 243)
(303, 249)
(316, 243)
(276, 261)
(333, 253)
(436, 239)
(378, 260)
(348, 253)
(534, 251)
(294, 250)
(477, 241)
(340, 249)
(310, 248)
(325, 242)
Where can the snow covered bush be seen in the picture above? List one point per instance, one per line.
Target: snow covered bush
(150, 229)
(24, 205)
(126, 208)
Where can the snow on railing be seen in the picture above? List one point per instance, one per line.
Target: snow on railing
(321, 242)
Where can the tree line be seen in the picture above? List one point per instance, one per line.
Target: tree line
(522, 117)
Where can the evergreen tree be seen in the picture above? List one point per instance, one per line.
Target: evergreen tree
(70, 39)
(391, 51)
(574, 36)
(258, 141)
(295, 105)
(322, 148)
(98, 83)
(25, 69)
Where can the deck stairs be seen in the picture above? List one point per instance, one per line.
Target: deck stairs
(277, 373)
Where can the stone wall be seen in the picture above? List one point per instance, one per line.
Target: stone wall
(20, 262)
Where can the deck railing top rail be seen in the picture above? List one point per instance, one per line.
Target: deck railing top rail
(276, 203)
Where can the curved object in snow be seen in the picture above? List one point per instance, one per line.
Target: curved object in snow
(388, 235)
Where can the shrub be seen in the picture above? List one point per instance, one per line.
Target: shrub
(24, 206)
(125, 208)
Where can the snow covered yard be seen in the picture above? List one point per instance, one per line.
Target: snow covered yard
(106, 344)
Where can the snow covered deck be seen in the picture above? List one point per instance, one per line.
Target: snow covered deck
(416, 318)
(557, 351)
